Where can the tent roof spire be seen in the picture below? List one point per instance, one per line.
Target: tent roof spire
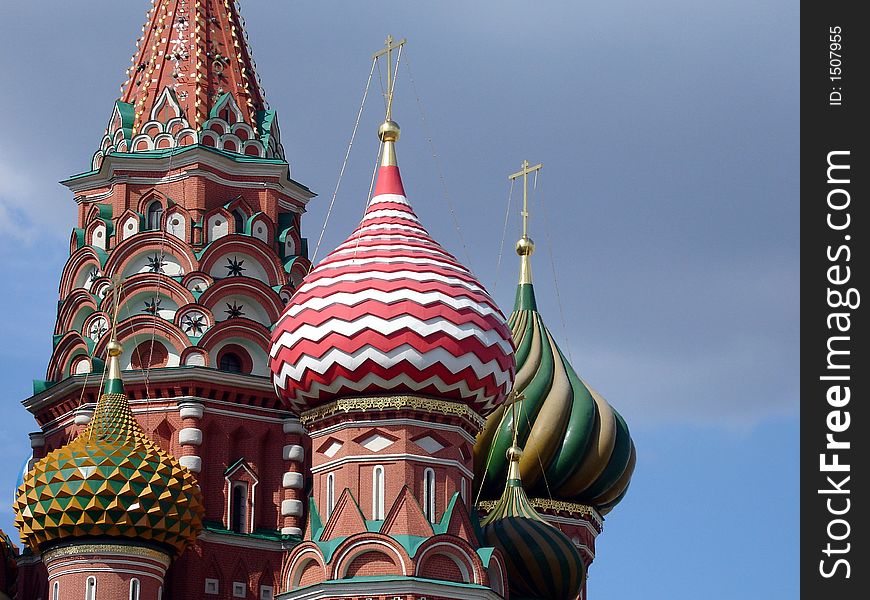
(198, 49)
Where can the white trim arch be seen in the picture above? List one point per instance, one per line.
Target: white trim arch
(353, 551)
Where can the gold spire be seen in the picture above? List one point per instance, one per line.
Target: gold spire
(525, 246)
(388, 132)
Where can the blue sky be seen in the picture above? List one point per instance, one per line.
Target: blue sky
(668, 209)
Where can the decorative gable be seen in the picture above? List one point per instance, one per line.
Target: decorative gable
(406, 517)
(346, 518)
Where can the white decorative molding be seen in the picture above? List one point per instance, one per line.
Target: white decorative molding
(190, 436)
(190, 410)
(292, 481)
(291, 508)
(193, 463)
(376, 442)
(291, 531)
(429, 444)
(294, 452)
(83, 416)
(380, 458)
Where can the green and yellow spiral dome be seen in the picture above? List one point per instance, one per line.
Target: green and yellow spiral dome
(577, 448)
(111, 481)
(540, 560)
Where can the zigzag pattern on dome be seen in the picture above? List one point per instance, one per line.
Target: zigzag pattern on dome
(390, 311)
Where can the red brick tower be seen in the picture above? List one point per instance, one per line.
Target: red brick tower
(191, 203)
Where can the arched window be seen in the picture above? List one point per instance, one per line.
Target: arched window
(134, 589)
(91, 589)
(55, 591)
(239, 508)
(330, 494)
(378, 493)
(160, 593)
(154, 215)
(429, 494)
(239, 220)
(462, 489)
(230, 362)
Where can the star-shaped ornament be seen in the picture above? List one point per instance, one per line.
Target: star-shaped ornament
(234, 266)
(98, 328)
(156, 263)
(193, 323)
(234, 310)
(152, 307)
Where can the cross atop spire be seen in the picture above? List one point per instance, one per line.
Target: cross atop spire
(389, 130)
(525, 247)
(389, 45)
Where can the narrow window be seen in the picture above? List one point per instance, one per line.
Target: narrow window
(91, 589)
(330, 494)
(134, 589)
(462, 490)
(239, 220)
(55, 591)
(154, 215)
(238, 508)
(429, 494)
(378, 493)
(160, 593)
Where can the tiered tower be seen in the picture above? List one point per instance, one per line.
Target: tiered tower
(191, 203)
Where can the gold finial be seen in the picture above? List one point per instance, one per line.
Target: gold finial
(525, 247)
(388, 132)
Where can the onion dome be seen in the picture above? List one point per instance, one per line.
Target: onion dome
(111, 481)
(541, 561)
(389, 311)
(577, 447)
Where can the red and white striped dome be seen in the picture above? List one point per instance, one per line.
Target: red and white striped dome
(390, 312)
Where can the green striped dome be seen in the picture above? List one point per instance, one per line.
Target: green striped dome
(540, 560)
(577, 447)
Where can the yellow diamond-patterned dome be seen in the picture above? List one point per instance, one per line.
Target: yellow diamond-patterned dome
(110, 481)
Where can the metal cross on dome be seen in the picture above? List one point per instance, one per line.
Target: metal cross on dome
(524, 173)
(389, 46)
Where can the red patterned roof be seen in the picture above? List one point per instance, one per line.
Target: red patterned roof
(390, 311)
(198, 49)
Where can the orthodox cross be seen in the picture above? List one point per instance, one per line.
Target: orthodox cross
(389, 45)
(524, 173)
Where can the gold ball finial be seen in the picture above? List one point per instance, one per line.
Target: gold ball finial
(525, 247)
(514, 453)
(389, 131)
(114, 348)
